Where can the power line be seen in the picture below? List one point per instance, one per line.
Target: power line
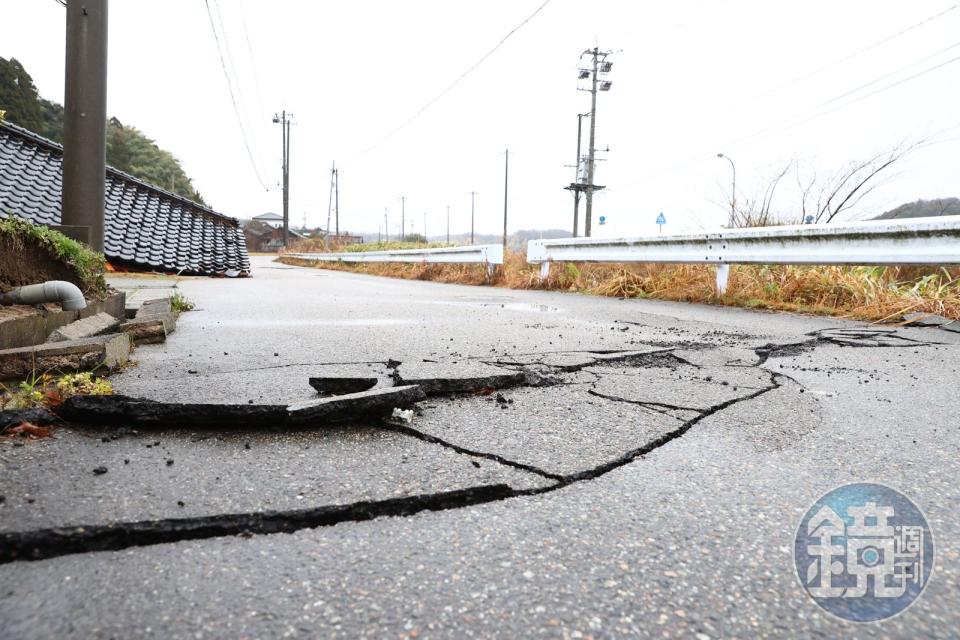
(775, 129)
(253, 63)
(233, 99)
(859, 51)
(454, 83)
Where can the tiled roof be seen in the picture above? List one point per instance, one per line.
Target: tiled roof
(145, 226)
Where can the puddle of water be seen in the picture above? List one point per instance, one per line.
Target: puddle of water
(359, 322)
(496, 303)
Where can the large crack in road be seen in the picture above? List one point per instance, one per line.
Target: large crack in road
(536, 373)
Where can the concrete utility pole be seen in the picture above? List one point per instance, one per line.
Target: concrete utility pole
(448, 224)
(336, 198)
(283, 119)
(425, 227)
(576, 177)
(472, 196)
(403, 215)
(506, 178)
(326, 238)
(85, 123)
(386, 224)
(599, 64)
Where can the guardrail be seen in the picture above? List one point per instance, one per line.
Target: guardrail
(875, 242)
(488, 254)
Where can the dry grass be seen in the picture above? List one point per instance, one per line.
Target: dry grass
(879, 294)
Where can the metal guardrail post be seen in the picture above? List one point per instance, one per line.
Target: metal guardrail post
(723, 274)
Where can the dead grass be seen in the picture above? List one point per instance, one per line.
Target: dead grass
(878, 294)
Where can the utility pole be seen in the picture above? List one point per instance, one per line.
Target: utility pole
(85, 122)
(283, 119)
(472, 197)
(386, 224)
(326, 239)
(425, 227)
(448, 224)
(506, 177)
(599, 64)
(403, 216)
(578, 185)
(336, 196)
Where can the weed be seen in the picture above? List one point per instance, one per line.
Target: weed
(179, 303)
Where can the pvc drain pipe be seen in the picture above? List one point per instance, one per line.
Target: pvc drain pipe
(66, 293)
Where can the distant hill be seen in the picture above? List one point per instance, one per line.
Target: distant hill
(924, 209)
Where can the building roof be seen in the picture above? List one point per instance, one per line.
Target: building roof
(270, 216)
(144, 226)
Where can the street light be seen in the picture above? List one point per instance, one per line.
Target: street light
(733, 193)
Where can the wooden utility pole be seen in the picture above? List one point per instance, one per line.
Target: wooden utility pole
(506, 178)
(85, 122)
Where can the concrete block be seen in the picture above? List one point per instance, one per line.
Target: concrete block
(104, 353)
(96, 325)
(145, 330)
(32, 325)
(156, 306)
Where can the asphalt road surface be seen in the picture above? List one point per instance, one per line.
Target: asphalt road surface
(653, 489)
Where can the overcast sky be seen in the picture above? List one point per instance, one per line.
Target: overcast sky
(690, 79)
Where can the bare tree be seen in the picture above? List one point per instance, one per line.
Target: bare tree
(820, 200)
(759, 211)
(846, 188)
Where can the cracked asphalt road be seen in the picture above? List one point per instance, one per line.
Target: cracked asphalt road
(652, 490)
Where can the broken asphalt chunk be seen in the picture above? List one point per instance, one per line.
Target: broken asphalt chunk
(126, 411)
(444, 379)
(37, 415)
(352, 405)
(333, 386)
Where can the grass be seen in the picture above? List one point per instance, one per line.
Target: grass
(88, 265)
(877, 294)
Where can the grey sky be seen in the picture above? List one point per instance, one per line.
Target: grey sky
(693, 78)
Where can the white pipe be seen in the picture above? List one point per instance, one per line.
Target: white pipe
(67, 294)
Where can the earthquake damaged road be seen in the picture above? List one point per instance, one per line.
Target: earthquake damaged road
(558, 465)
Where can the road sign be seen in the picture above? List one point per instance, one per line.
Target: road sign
(661, 219)
(603, 219)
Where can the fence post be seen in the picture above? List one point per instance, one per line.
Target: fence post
(723, 273)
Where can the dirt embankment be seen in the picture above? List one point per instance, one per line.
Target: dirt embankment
(23, 261)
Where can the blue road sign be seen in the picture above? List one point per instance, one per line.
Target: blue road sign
(661, 219)
(603, 219)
